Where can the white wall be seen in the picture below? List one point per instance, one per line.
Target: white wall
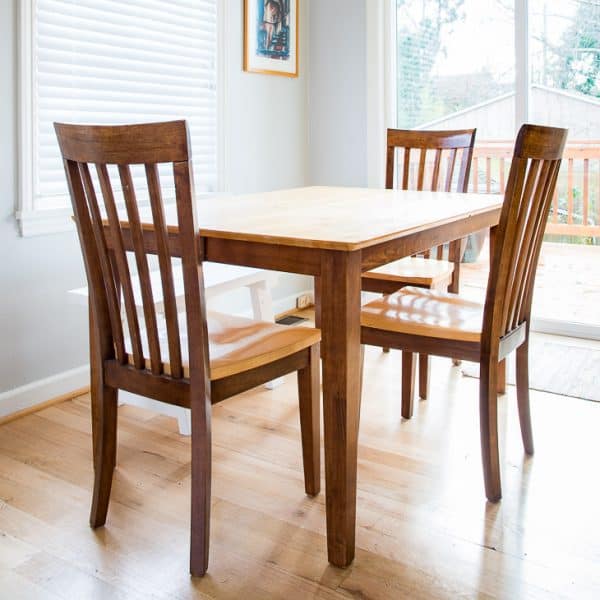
(41, 334)
(267, 135)
(338, 93)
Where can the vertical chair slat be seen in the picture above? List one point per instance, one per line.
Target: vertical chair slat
(520, 216)
(542, 200)
(450, 172)
(141, 261)
(110, 284)
(502, 175)
(532, 199)
(475, 174)
(421, 175)
(435, 177)
(465, 167)
(488, 174)
(500, 267)
(97, 297)
(166, 270)
(406, 169)
(389, 168)
(122, 265)
(528, 287)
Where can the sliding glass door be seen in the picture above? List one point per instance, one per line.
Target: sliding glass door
(494, 64)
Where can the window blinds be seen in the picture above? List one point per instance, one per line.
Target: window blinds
(109, 62)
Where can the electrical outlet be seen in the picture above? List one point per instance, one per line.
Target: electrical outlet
(305, 301)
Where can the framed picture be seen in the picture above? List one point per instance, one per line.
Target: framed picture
(271, 37)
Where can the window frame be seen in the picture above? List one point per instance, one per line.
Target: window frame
(385, 96)
(522, 62)
(33, 221)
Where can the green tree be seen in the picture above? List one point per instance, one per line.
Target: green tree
(574, 62)
(419, 28)
(577, 59)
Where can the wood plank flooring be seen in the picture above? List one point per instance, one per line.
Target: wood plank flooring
(424, 529)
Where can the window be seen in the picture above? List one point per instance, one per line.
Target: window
(494, 64)
(107, 61)
(455, 57)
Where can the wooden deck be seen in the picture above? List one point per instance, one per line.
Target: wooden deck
(567, 283)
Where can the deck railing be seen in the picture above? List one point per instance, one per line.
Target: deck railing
(576, 205)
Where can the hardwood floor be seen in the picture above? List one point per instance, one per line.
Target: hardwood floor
(424, 529)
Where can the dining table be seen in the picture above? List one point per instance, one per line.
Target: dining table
(334, 234)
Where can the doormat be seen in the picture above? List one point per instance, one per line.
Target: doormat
(556, 368)
(290, 320)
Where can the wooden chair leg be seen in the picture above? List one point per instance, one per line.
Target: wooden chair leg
(488, 420)
(523, 396)
(424, 369)
(501, 385)
(309, 394)
(384, 349)
(408, 383)
(104, 430)
(362, 368)
(317, 284)
(104, 427)
(201, 480)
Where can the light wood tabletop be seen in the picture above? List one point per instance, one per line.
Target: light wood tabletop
(334, 218)
(334, 234)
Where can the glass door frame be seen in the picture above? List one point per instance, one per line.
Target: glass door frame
(382, 95)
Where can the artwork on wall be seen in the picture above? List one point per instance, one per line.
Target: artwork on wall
(271, 37)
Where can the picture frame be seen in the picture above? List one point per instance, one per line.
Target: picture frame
(271, 37)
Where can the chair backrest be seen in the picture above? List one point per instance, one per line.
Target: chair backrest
(429, 160)
(99, 162)
(518, 240)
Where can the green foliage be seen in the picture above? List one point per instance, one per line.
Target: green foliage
(419, 43)
(575, 63)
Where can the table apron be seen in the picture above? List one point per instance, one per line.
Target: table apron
(261, 255)
(386, 252)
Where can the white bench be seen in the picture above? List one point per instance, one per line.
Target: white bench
(218, 279)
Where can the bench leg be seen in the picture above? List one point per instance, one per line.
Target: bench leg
(184, 421)
(262, 310)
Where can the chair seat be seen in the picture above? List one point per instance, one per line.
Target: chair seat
(415, 270)
(236, 344)
(423, 312)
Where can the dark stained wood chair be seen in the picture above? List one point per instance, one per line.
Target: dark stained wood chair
(189, 359)
(436, 161)
(444, 324)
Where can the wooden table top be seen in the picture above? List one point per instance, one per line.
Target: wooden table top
(333, 218)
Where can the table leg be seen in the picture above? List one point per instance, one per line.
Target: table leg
(340, 325)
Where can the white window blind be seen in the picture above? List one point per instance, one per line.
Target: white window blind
(109, 62)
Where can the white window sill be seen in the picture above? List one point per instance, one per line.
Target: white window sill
(44, 222)
(59, 220)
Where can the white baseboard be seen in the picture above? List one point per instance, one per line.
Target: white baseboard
(565, 328)
(280, 305)
(289, 302)
(43, 390)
